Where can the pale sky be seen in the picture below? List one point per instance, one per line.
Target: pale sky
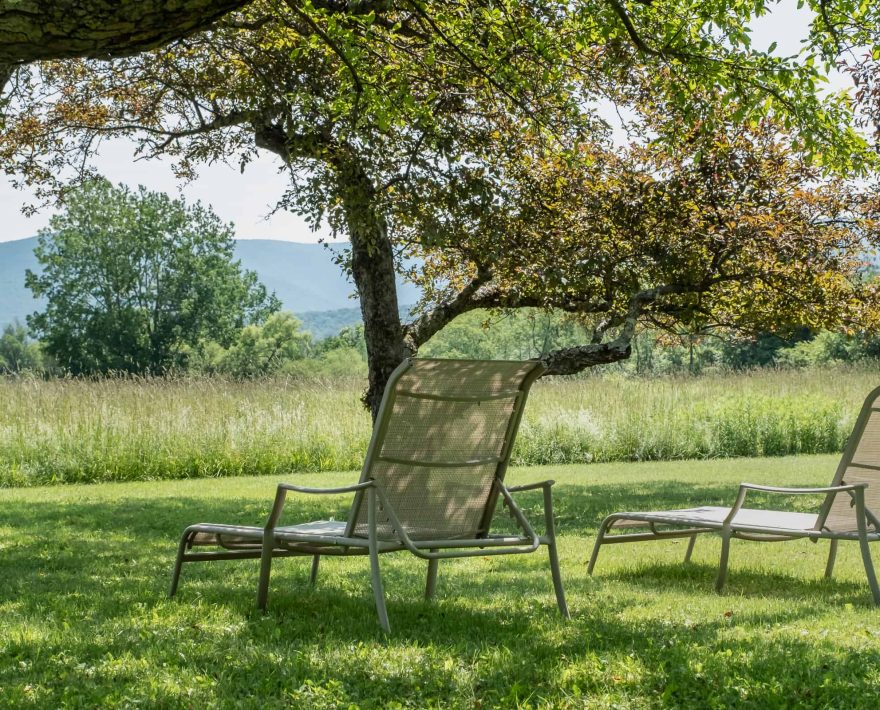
(247, 199)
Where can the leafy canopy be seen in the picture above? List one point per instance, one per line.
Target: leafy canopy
(409, 86)
(471, 134)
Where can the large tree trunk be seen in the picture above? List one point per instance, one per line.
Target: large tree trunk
(60, 29)
(372, 256)
(372, 267)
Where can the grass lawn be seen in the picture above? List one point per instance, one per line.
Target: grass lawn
(84, 621)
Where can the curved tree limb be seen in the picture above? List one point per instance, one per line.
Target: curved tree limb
(422, 329)
(569, 361)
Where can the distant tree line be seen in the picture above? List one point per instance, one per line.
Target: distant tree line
(136, 283)
(279, 346)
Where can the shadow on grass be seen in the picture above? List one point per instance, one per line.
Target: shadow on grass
(698, 578)
(82, 588)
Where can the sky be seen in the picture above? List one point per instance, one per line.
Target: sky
(247, 199)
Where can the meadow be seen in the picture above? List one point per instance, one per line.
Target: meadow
(69, 430)
(85, 622)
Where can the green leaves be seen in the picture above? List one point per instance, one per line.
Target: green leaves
(472, 131)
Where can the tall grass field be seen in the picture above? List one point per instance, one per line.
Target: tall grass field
(62, 431)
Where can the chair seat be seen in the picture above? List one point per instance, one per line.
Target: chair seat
(251, 535)
(225, 535)
(712, 518)
(329, 528)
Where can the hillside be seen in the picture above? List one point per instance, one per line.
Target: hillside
(15, 300)
(303, 276)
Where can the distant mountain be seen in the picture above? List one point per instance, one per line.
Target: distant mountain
(303, 276)
(322, 324)
(16, 301)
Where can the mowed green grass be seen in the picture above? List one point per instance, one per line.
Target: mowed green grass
(84, 621)
(64, 431)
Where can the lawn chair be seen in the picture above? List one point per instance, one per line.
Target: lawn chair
(849, 511)
(433, 474)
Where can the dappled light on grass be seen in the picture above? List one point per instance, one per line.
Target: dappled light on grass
(84, 570)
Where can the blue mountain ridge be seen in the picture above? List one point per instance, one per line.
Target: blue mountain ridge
(303, 276)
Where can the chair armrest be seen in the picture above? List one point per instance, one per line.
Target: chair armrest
(549, 527)
(325, 491)
(531, 486)
(795, 491)
(283, 488)
(858, 490)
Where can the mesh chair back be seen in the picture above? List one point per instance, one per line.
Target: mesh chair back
(860, 464)
(444, 433)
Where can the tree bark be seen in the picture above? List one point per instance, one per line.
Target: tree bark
(372, 254)
(59, 29)
(569, 361)
(372, 267)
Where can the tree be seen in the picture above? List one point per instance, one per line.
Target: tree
(132, 278)
(259, 350)
(18, 353)
(732, 230)
(397, 120)
(848, 33)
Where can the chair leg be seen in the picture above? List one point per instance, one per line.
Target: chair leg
(313, 577)
(869, 569)
(178, 563)
(431, 584)
(600, 538)
(557, 579)
(832, 556)
(690, 549)
(378, 591)
(862, 522)
(265, 570)
(722, 567)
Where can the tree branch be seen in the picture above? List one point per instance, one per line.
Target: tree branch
(421, 12)
(481, 293)
(100, 29)
(569, 361)
(272, 137)
(421, 330)
(353, 7)
(631, 30)
(829, 26)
